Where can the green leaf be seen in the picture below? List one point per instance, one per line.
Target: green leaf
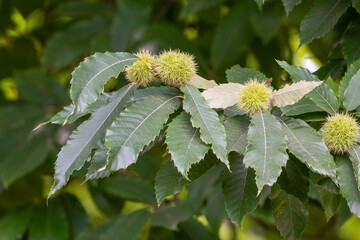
(233, 111)
(194, 230)
(322, 96)
(130, 20)
(266, 152)
(89, 77)
(330, 202)
(321, 19)
(241, 75)
(50, 223)
(13, 225)
(129, 188)
(352, 72)
(290, 214)
(313, 153)
(214, 210)
(290, 4)
(351, 95)
(332, 70)
(350, 46)
(293, 93)
(82, 9)
(294, 179)
(195, 6)
(348, 185)
(203, 117)
(223, 95)
(229, 42)
(128, 226)
(202, 83)
(136, 127)
(68, 45)
(239, 189)
(168, 181)
(86, 137)
(305, 105)
(154, 91)
(24, 159)
(184, 143)
(97, 166)
(354, 153)
(170, 217)
(236, 129)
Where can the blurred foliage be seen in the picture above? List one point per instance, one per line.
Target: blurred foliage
(41, 41)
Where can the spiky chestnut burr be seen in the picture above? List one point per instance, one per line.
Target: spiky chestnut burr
(141, 71)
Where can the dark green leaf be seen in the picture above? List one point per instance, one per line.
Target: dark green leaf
(129, 188)
(136, 127)
(353, 71)
(214, 210)
(67, 46)
(184, 143)
(236, 129)
(205, 118)
(194, 230)
(24, 160)
(348, 185)
(266, 152)
(305, 105)
(321, 19)
(98, 162)
(194, 6)
(355, 159)
(322, 95)
(89, 77)
(330, 202)
(131, 18)
(294, 179)
(239, 189)
(170, 217)
(229, 42)
(351, 39)
(332, 69)
(83, 8)
(241, 75)
(86, 137)
(313, 153)
(154, 91)
(290, 4)
(168, 181)
(233, 111)
(14, 224)
(50, 223)
(351, 95)
(290, 214)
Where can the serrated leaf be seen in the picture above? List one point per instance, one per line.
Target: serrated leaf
(168, 181)
(350, 73)
(223, 96)
(351, 95)
(13, 225)
(202, 83)
(153, 91)
(237, 74)
(86, 137)
(135, 128)
(128, 187)
(89, 77)
(330, 202)
(291, 94)
(294, 179)
(97, 166)
(313, 153)
(348, 185)
(305, 105)
(290, 214)
(321, 19)
(350, 46)
(322, 95)
(184, 143)
(205, 118)
(236, 129)
(266, 152)
(239, 189)
(290, 4)
(354, 153)
(50, 222)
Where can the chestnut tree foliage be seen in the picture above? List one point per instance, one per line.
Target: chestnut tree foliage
(154, 119)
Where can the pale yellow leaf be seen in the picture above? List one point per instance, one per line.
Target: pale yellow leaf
(223, 95)
(202, 83)
(291, 94)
